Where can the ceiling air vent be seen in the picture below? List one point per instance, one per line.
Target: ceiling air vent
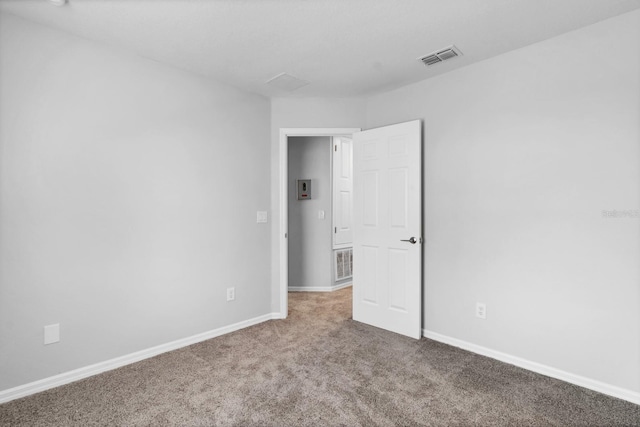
(441, 55)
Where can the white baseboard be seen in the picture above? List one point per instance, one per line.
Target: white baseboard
(599, 386)
(319, 288)
(108, 365)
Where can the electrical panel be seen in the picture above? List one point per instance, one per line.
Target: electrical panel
(304, 189)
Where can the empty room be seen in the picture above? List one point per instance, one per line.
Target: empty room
(320, 212)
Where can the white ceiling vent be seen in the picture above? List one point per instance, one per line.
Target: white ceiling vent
(441, 55)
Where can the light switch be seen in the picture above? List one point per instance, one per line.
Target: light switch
(261, 217)
(51, 334)
(320, 214)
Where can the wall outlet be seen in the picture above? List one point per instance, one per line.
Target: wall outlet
(231, 294)
(51, 334)
(481, 310)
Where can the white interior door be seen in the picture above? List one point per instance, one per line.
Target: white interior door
(387, 244)
(342, 192)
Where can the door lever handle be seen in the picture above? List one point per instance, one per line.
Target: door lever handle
(412, 240)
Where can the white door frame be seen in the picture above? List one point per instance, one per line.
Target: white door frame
(283, 149)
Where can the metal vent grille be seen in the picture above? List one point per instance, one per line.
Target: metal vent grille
(441, 55)
(430, 60)
(344, 264)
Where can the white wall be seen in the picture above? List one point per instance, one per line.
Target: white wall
(302, 113)
(310, 247)
(129, 193)
(522, 154)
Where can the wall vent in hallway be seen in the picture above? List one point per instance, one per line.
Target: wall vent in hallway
(344, 263)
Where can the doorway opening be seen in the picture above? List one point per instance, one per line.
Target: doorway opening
(310, 230)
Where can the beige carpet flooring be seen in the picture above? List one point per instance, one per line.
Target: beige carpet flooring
(316, 368)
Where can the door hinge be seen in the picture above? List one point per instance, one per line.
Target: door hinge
(335, 230)
(335, 148)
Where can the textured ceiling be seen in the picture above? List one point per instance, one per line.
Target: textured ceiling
(342, 47)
